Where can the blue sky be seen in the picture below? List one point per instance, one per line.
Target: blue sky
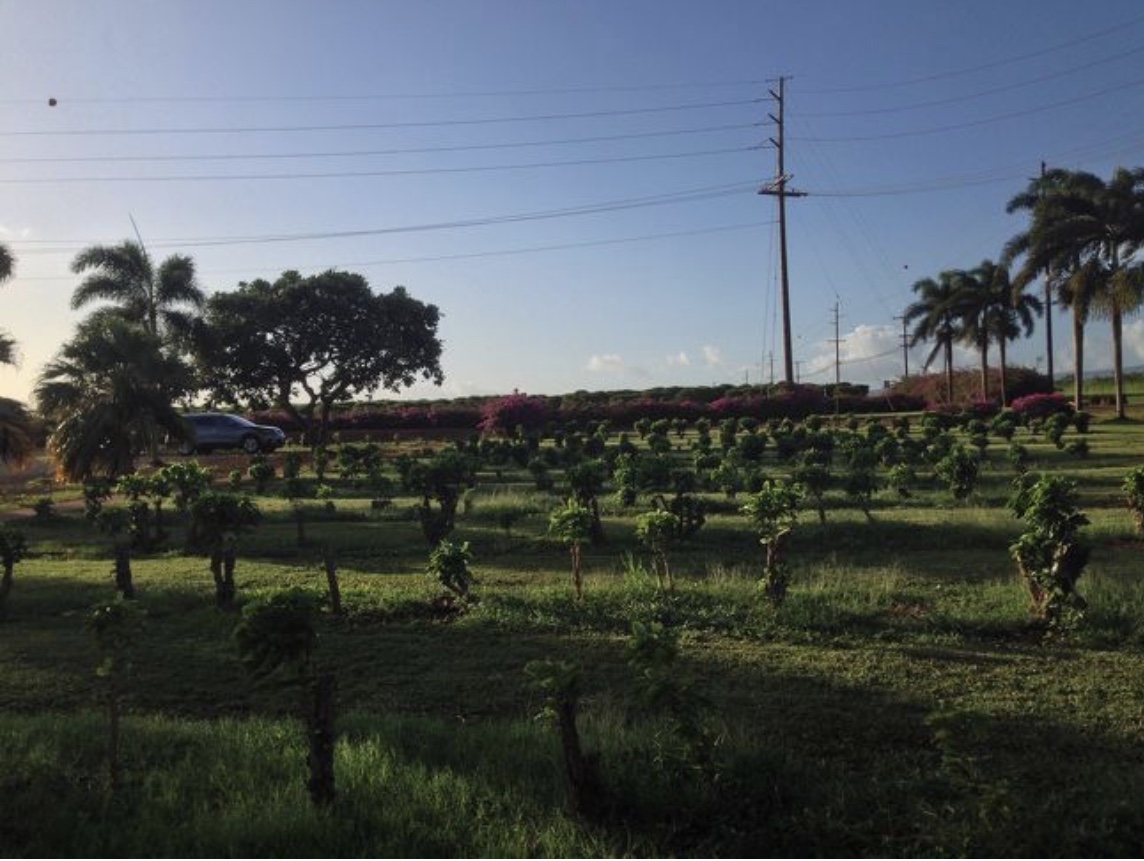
(572, 182)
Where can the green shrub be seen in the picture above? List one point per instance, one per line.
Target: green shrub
(1050, 553)
(1134, 496)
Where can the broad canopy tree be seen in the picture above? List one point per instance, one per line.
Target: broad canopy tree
(320, 340)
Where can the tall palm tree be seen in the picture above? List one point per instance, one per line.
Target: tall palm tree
(1011, 316)
(7, 345)
(993, 312)
(124, 275)
(935, 317)
(17, 435)
(974, 302)
(1086, 232)
(109, 395)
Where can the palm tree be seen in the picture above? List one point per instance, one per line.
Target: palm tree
(993, 312)
(17, 435)
(125, 276)
(936, 316)
(7, 345)
(108, 394)
(1085, 233)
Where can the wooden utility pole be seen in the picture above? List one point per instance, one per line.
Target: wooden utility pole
(905, 347)
(837, 341)
(778, 188)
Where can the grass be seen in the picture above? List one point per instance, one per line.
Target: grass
(899, 703)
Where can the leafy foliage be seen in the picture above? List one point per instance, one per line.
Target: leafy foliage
(109, 395)
(13, 548)
(773, 511)
(278, 633)
(572, 525)
(1134, 495)
(449, 565)
(959, 469)
(1050, 553)
(326, 338)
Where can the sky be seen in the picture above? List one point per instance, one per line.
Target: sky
(573, 183)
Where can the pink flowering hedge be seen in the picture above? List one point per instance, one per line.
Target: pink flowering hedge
(1041, 406)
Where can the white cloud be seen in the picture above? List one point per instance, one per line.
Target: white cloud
(614, 365)
(607, 363)
(712, 356)
(867, 354)
(679, 360)
(1134, 338)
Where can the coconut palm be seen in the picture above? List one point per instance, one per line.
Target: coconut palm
(7, 345)
(993, 312)
(17, 435)
(124, 275)
(108, 395)
(1084, 233)
(935, 316)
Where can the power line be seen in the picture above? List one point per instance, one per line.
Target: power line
(361, 174)
(403, 124)
(381, 152)
(565, 246)
(972, 96)
(686, 196)
(1007, 61)
(371, 97)
(965, 124)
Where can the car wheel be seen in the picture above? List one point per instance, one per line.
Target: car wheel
(250, 445)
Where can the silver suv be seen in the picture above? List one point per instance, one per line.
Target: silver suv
(223, 430)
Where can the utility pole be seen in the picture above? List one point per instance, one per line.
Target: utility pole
(837, 342)
(905, 348)
(778, 188)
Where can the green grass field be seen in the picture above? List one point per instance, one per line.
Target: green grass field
(899, 703)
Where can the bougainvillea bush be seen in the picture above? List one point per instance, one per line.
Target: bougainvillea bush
(505, 415)
(1041, 406)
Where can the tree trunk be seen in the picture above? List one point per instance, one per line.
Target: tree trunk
(949, 370)
(1118, 360)
(1049, 328)
(222, 569)
(1078, 360)
(577, 576)
(985, 370)
(123, 581)
(1003, 380)
(583, 781)
(332, 582)
(5, 586)
(300, 523)
(322, 735)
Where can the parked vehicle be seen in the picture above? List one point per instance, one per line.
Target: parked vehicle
(223, 430)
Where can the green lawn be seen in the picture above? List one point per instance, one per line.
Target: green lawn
(899, 703)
